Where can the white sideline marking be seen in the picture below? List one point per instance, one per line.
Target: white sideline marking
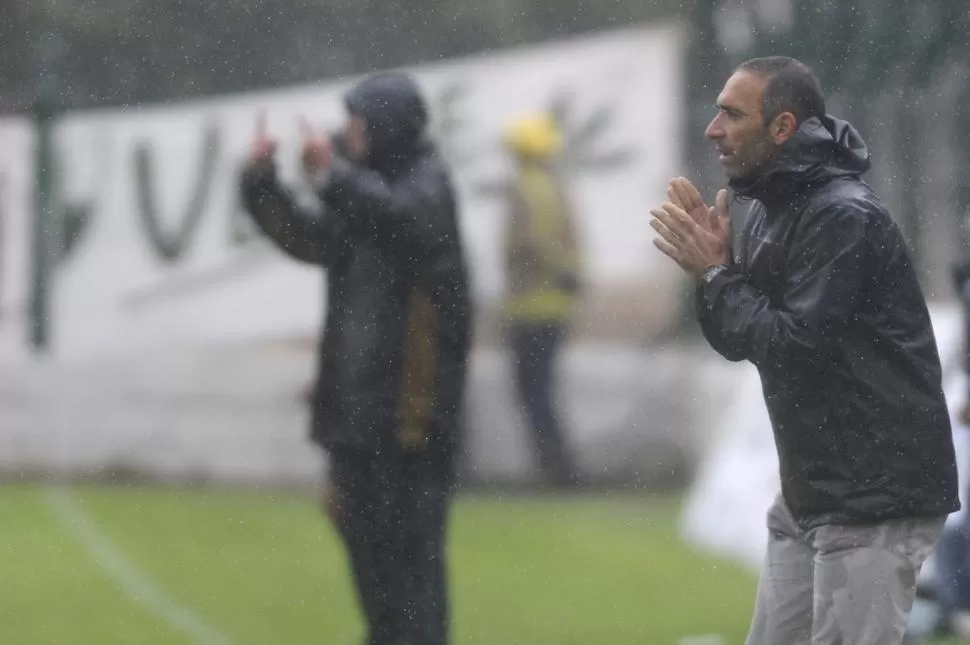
(138, 586)
(706, 639)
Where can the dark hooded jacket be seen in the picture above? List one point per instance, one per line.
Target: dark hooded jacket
(393, 353)
(823, 299)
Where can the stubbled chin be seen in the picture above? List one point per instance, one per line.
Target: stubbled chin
(730, 169)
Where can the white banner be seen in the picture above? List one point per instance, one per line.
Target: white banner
(164, 256)
(16, 203)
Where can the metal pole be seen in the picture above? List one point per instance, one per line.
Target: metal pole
(46, 225)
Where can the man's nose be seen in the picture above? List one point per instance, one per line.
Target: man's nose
(714, 129)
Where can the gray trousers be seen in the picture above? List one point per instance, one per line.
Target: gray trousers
(839, 585)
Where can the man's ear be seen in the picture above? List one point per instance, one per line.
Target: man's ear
(783, 127)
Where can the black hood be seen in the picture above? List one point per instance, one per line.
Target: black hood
(822, 149)
(396, 114)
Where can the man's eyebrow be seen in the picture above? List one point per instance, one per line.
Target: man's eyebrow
(729, 108)
(733, 110)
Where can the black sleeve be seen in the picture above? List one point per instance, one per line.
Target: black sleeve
(304, 236)
(729, 348)
(726, 346)
(407, 215)
(827, 265)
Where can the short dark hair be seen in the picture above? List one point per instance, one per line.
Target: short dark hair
(791, 86)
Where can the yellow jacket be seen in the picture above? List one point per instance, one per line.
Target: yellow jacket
(542, 256)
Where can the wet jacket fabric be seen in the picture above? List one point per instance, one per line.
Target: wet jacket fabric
(823, 299)
(542, 256)
(394, 349)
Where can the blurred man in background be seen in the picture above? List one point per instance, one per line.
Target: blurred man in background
(822, 298)
(542, 274)
(393, 355)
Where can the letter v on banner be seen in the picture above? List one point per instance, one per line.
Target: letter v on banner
(170, 246)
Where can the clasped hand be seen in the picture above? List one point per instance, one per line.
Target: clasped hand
(692, 234)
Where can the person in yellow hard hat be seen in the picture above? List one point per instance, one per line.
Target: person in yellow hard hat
(542, 265)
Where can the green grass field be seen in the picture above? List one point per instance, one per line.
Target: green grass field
(132, 565)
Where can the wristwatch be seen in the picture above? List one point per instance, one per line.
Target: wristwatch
(711, 272)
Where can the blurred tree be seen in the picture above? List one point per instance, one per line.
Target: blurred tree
(961, 140)
(957, 52)
(924, 34)
(707, 66)
(583, 150)
(133, 51)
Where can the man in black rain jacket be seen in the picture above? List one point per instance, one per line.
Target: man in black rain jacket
(823, 299)
(393, 354)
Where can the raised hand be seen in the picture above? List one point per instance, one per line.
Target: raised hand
(681, 192)
(693, 245)
(317, 150)
(263, 148)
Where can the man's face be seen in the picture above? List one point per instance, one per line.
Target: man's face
(739, 130)
(357, 142)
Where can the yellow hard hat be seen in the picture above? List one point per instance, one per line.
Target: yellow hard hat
(533, 135)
